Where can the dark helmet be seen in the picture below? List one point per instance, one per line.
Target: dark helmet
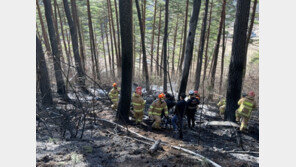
(183, 95)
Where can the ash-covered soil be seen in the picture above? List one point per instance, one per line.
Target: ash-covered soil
(105, 144)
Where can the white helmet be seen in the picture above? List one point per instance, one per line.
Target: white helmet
(191, 92)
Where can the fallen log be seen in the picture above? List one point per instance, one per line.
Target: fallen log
(154, 147)
(200, 157)
(243, 152)
(221, 123)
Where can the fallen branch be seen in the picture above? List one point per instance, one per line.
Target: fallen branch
(137, 140)
(221, 123)
(154, 147)
(243, 152)
(200, 157)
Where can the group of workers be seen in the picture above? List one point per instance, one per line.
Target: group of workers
(165, 102)
(246, 105)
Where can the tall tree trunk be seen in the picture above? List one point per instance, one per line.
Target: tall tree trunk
(143, 47)
(44, 79)
(134, 50)
(112, 49)
(68, 44)
(222, 58)
(92, 43)
(152, 39)
(114, 39)
(67, 50)
(109, 53)
(161, 61)
(158, 39)
(165, 46)
(61, 89)
(207, 45)
(201, 47)
(216, 51)
(174, 46)
(118, 30)
(79, 32)
(184, 41)
(189, 45)
(55, 23)
(62, 31)
(103, 41)
(249, 35)
(44, 33)
(180, 50)
(235, 72)
(125, 12)
(78, 64)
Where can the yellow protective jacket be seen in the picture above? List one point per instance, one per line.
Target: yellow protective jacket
(157, 106)
(138, 102)
(222, 102)
(246, 106)
(113, 95)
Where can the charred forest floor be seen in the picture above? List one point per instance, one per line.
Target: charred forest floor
(105, 144)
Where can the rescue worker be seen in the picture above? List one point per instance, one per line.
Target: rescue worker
(236, 116)
(246, 106)
(222, 106)
(192, 105)
(138, 105)
(197, 95)
(179, 114)
(155, 110)
(113, 95)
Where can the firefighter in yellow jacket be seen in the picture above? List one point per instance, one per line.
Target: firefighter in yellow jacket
(113, 95)
(246, 106)
(222, 106)
(138, 104)
(155, 110)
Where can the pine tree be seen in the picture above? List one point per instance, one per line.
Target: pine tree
(235, 73)
(189, 45)
(126, 15)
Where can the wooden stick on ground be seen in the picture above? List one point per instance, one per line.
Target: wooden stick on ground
(200, 157)
(154, 147)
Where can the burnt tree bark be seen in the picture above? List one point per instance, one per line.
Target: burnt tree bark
(126, 15)
(207, 45)
(63, 36)
(174, 46)
(118, 31)
(43, 73)
(216, 50)
(94, 56)
(236, 66)
(112, 49)
(118, 64)
(78, 64)
(249, 34)
(61, 89)
(184, 41)
(201, 47)
(222, 57)
(104, 51)
(166, 22)
(180, 46)
(189, 45)
(44, 33)
(79, 32)
(146, 74)
(152, 38)
(158, 39)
